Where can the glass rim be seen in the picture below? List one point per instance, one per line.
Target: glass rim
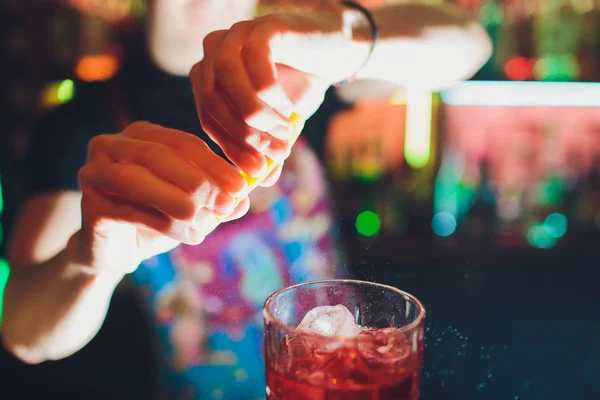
(290, 329)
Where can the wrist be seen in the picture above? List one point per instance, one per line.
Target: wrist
(81, 264)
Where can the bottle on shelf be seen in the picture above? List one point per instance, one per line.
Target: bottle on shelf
(481, 222)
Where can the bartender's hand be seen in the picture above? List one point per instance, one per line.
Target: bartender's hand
(245, 96)
(147, 189)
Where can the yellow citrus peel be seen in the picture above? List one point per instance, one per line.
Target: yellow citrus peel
(253, 182)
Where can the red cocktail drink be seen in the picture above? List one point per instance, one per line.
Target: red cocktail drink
(368, 346)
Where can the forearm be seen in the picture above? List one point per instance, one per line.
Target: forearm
(53, 309)
(423, 46)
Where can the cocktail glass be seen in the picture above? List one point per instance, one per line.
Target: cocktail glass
(383, 361)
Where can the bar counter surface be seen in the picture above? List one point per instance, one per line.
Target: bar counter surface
(504, 326)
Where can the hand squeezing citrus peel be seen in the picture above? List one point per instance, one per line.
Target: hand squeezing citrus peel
(253, 182)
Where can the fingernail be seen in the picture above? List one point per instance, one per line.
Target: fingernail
(277, 98)
(284, 132)
(256, 166)
(236, 185)
(259, 141)
(224, 203)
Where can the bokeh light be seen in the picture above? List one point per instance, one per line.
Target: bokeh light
(4, 271)
(539, 238)
(417, 140)
(443, 224)
(556, 68)
(518, 69)
(368, 223)
(58, 92)
(65, 91)
(112, 10)
(555, 225)
(3, 263)
(97, 67)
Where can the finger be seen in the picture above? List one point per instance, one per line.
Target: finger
(165, 164)
(96, 146)
(202, 74)
(259, 64)
(108, 209)
(231, 74)
(240, 210)
(210, 46)
(312, 97)
(206, 220)
(137, 185)
(247, 159)
(262, 68)
(228, 118)
(294, 82)
(262, 71)
(273, 176)
(195, 151)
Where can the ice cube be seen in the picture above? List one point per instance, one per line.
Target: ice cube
(330, 321)
(380, 347)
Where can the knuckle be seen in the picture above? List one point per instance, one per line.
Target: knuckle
(139, 125)
(84, 174)
(208, 40)
(257, 140)
(98, 144)
(195, 71)
(203, 191)
(241, 25)
(140, 129)
(212, 39)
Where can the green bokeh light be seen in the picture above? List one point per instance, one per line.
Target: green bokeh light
(539, 238)
(555, 225)
(552, 191)
(557, 68)
(368, 223)
(65, 91)
(3, 278)
(3, 263)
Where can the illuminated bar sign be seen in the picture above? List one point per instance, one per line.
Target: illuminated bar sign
(522, 94)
